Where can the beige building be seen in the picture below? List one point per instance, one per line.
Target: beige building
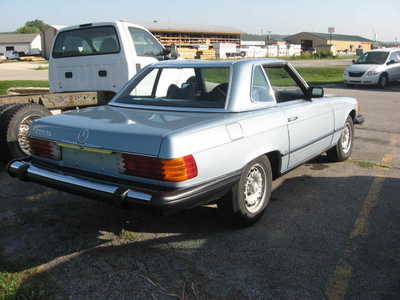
(341, 43)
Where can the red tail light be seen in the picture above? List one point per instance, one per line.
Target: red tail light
(177, 169)
(44, 148)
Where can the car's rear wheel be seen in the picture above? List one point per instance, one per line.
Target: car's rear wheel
(383, 81)
(247, 200)
(344, 147)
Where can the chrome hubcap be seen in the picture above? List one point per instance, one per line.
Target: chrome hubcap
(23, 133)
(254, 191)
(346, 139)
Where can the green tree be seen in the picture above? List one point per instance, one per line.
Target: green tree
(34, 26)
(28, 29)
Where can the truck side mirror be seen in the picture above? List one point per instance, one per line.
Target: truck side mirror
(391, 62)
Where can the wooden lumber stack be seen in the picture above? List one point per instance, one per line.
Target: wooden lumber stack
(187, 53)
(206, 54)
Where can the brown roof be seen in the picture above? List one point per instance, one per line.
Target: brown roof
(15, 38)
(173, 27)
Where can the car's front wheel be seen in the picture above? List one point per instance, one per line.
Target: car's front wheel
(383, 81)
(247, 200)
(344, 147)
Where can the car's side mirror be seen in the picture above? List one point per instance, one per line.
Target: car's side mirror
(353, 61)
(391, 62)
(315, 92)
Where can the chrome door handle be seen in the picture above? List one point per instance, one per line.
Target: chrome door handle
(291, 119)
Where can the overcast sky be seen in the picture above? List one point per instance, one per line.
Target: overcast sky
(254, 16)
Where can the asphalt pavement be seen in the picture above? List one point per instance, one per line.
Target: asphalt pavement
(331, 231)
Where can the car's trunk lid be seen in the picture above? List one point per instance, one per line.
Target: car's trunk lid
(117, 129)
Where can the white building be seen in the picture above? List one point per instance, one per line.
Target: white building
(23, 43)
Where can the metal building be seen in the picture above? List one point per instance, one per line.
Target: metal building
(342, 43)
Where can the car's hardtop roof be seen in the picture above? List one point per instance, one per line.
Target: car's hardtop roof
(215, 63)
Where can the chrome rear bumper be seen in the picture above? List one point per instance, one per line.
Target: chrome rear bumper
(121, 193)
(27, 171)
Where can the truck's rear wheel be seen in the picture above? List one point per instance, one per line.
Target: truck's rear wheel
(4, 107)
(14, 126)
(246, 202)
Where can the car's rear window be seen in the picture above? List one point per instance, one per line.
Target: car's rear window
(196, 87)
(86, 41)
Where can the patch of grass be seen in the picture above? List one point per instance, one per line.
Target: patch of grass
(217, 75)
(38, 68)
(9, 284)
(28, 284)
(313, 75)
(315, 57)
(6, 84)
(321, 75)
(127, 236)
(15, 286)
(369, 164)
(11, 60)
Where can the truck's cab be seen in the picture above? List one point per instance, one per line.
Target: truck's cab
(100, 56)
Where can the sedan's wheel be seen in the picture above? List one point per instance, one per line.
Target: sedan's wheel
(246, 202)
(344, 147)
(254, 188)
(383, 81)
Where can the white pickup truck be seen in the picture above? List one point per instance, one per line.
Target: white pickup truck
(101, 56)
(88, 65)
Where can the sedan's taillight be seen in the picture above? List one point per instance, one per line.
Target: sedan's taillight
(44, 148)
(177, 169)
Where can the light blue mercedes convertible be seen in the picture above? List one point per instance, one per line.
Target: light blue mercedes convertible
(186, 133)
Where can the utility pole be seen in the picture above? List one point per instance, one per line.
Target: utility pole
(267, 43)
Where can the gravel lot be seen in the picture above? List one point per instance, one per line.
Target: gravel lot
(332, 231)
(23, 71)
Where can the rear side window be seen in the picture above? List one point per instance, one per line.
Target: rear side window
(86, 41)
(260, 90)
(145, 44)
(284, 84)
